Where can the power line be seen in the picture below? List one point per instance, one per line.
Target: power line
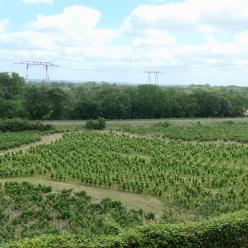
(154, 79)
(153, 73)
(45, 65)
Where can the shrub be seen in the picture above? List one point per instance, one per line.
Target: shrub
(17, 125)
(98, 124)
(164, 124)
(227, 231)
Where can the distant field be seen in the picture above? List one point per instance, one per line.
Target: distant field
(71, 124)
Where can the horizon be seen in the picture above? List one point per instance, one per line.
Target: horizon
(189, 41)
(76, 82)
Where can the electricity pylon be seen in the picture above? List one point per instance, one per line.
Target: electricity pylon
(46, 65)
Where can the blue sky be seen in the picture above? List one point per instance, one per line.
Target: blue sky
(113, 12)
(189, 41)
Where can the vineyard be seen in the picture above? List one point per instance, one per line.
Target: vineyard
(223, 131)
(28, 211)
(13, 139)
(196, 181)
(198, 172)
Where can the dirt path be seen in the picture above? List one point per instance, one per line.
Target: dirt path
(47, 139)
(131, 200)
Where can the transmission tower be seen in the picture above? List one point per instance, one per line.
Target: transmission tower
(45, 65)
(152, 77)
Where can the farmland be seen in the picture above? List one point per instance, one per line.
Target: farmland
(225, 131)
(12, 139)
(196, 181)
(192, 171)
(28, 211)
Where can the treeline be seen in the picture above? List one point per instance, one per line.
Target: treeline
(111, 101)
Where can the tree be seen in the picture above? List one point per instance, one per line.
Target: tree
(12, 88)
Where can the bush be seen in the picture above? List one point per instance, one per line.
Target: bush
(164, 124)
(17, 125)
(52, 241)
(98, 124)
(227, 231)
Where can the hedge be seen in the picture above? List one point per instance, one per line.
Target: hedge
(18, 125)
(227, 231)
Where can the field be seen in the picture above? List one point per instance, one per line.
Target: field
(28, 211)
(166, 171)
(118, 124)
(195, 181)
(227, 131)
(13, 139)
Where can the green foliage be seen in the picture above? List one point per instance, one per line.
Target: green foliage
(98, 124)
(28, 211)
(13, 139)
(17, 125)
(163, 124)
(52, 241)
(223, 131)
(12, 91)
(11, 85)
(111, 101)
(227, 231)
(196, 181)
(43, 103)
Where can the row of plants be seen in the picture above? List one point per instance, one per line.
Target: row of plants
(27, 210)
(196, 181)
(224, 131)
(227, 231)
(13, 139)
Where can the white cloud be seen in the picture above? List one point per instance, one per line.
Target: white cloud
(191, 15)
(74, 18)
(158, 33)
(74, 31)
(75, 26)
(162, 36)
(4, 24)
(38, 1)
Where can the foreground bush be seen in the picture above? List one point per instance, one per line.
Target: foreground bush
(228, 231)
(17, 125)
(52, 241)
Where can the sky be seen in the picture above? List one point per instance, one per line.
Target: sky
(188, 41)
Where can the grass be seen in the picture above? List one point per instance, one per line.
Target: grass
(113, 124)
